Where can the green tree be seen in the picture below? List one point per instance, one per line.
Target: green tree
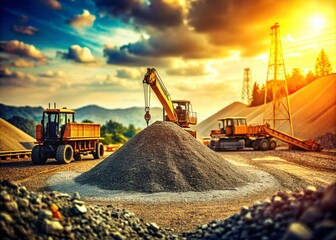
(295, 81)
(87, 121)
(258, 95)
(131, 131)
(310, 77)
(322, 65)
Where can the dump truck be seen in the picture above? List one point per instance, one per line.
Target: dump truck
(234, 133)
(176, 111)
(60, 137)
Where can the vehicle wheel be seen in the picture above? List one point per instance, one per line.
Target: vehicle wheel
(255, 144)
(264, 144)
(77, 157)
(272, 144)
(37, 155)
(99, 153)
(64, 153)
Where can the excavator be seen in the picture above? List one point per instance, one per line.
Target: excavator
(176, 111)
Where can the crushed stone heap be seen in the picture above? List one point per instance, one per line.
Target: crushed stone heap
(165, 158)
(12, 138)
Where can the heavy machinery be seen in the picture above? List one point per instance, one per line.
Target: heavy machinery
(59, 136)
(177, 111)
(234, 133)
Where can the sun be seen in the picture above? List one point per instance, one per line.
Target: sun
(317, 22)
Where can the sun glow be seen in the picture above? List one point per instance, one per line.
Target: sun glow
(317, 22)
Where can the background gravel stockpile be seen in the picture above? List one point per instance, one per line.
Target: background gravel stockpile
(12, 138)
(165, 158)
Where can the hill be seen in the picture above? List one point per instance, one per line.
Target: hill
(33, 113)
(94, 113)
(313, 111)
(12, 138)
(126, 116)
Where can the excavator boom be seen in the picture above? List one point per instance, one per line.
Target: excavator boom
(177, 111)
(153, 80)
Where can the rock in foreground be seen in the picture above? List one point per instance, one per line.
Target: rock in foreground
(55, 215)
(298, 215)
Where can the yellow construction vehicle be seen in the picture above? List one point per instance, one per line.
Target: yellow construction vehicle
(234, 133)
(59, 136)
(177, 111)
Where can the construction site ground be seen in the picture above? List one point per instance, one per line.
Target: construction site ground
(281, 169)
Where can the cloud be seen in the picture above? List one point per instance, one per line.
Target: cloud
(53, 74)
(157, 13)
(161, 46)
(78, 54)
(22, 49)
(16, 78)
(82, 21)
(23, 18)
(53, 4)
(196, 69)
(128, 73)
(239, 24)
(26, 30)
(21, 62)
(122, 56)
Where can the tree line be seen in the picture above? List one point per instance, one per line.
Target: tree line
(295, 81)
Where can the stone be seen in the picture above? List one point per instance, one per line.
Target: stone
(23, 202)
(329, 198)
(51, 226)
(79, 209)
(298, 231)
(75, 196)
(11, 206)
(6, 217)
(311, 215)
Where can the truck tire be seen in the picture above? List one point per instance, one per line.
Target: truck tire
(255, 145)
(264, 144)
(64, 153)
(272, 144)
(37, 155)
(99, 153)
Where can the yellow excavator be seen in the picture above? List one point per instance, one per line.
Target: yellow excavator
(176, 111)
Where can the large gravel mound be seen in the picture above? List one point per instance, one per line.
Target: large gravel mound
(12, 138)
(165, 158)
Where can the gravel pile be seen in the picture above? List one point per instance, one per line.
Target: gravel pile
(165, 158)
(12, 138)
(299, 215)
(327, 141)
(56, 215)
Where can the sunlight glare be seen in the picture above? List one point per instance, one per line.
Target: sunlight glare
(317, 22)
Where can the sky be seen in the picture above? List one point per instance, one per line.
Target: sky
(83, 52)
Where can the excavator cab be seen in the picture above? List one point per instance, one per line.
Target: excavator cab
(184, 113)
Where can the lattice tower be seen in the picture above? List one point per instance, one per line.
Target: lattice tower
(247, 87)
(277, 112)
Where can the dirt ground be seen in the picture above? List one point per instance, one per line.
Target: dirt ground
(292, 170)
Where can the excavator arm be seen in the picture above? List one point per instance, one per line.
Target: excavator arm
(153, 81)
